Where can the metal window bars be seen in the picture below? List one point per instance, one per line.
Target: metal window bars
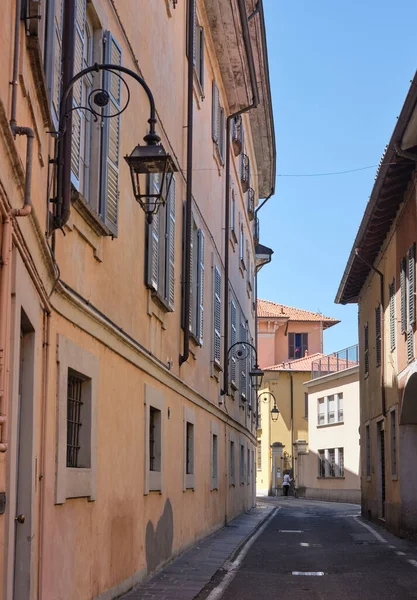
(237, 135)
(245, 172)
(251, 204)
(152, 442)
(74, 419)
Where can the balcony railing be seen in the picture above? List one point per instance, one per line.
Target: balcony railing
(338, 361)
(245, 172)
(251, 204)
(237, 135)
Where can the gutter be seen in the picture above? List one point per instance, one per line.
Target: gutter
(255, 101)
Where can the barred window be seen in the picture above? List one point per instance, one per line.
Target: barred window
(75, 417)
(154, 439)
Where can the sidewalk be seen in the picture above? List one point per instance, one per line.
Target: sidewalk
(188, 574)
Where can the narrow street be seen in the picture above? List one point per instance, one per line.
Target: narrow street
(345, 559)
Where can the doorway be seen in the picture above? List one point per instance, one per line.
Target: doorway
(25, 472)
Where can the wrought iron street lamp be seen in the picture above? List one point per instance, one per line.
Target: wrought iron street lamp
(241, 351)
(267, 397)
(144, 161)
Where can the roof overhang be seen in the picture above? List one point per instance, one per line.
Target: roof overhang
(391, 182)
(226, 32)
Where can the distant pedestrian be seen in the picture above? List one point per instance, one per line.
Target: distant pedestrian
(286, 483)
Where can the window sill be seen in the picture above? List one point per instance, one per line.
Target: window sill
(198, 90)
(91, 217)
(159, 301)
(233, 236)
(330, 424)
(330, 477)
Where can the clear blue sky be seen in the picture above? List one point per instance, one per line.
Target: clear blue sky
(339, 74)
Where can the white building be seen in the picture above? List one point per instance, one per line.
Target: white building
(330, 470)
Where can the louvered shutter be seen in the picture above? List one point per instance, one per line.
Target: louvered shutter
(412, 285)
(242, 362)
(304, 344)
(248, 367)
(110, 151)
(217, 304)
(392, 315)
(200, 287)
(403, 296)
(201, 61)
(291, 345)
(366, 348)
(378, 335)
(222, 132)
(215, 100)
(194, 5)
(193, 300)
(154, 234)
(233, 341)
(170, 252)
(410, 344)
(57, 60)
(78, 115)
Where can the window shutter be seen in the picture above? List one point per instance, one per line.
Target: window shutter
(153, 243)
(78, 115)
(217, 303)
(403, 296)
(243, 362)
(170, 253)
(291, 345)
(193, 300)
(56, 78)
(378, 335)
(215, 113)
(109, 189)
(194, 3)
(233, 211)
(200, 287)
(304, 344)
(233, 341)
(366, 349)
(222, 132)
(410, 344)
(392, 315)
(412, 285)
(201, 62)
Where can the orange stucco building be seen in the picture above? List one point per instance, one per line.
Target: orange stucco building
(116, 449)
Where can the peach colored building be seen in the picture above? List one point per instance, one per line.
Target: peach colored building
(380, 276)
(289, 340)
(118, 448)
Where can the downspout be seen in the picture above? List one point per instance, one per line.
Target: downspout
(292, 421)
(255, 101)
(381, 279)
(188, 194)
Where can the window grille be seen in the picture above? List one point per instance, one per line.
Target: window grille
(74, 419)
(189, 467)
(154, 439)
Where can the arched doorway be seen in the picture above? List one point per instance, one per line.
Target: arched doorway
(408, 456)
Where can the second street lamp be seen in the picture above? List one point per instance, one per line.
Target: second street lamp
(267, 397)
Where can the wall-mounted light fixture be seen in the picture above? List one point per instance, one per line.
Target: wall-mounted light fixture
(241, 351)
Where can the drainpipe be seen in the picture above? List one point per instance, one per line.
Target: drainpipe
(292, 421)
(5, 287)
(381, 279)
(188, 194)
(255, 101)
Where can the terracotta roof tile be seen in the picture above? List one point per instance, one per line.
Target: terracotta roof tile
(267, 308)
(297, 364)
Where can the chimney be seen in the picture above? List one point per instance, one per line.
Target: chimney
(306, 353)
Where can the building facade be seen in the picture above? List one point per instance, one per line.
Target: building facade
(380, 277)
(117, 451)
(330, 470)
(294, 339)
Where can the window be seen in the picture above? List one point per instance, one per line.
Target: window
(259, 455)
(242, 362)
(218, 123)
(76, 461)
(393, 431)
(154, 439)
(189, 454)
(297, 345)
(233, 215)
(241, 245)
(160, 273)
(378, 335)
(196, 316)
(408, 288)
(233, 339)
(242, 464)
(232, 463)
(367, 451)
(366, 349)
(199, 55)
(78, 452)
(330, 409)
(214, 461)
(392, 315)
(217, 314)
(95, 152)
(305, 405)
(249, 468)
(331, 462)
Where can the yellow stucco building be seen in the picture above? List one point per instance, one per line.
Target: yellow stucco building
(289, 340)
(119, 446)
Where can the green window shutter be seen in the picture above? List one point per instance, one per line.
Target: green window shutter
(200, 286)
(412, 285)
(170, 250)
(403, 295)
(192, 275)
(233, 339)
(392, 315)
(110, 148)
(217, 308)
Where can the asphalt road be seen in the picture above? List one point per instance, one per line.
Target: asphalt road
(324, 537)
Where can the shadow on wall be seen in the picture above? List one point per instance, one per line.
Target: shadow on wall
(159, 541)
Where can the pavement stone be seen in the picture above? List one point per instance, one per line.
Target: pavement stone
(190, 572)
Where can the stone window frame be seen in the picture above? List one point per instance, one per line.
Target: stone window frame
(189, 478)
(154, 480)
(75, 482)
(214, 473)
(232, 463)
